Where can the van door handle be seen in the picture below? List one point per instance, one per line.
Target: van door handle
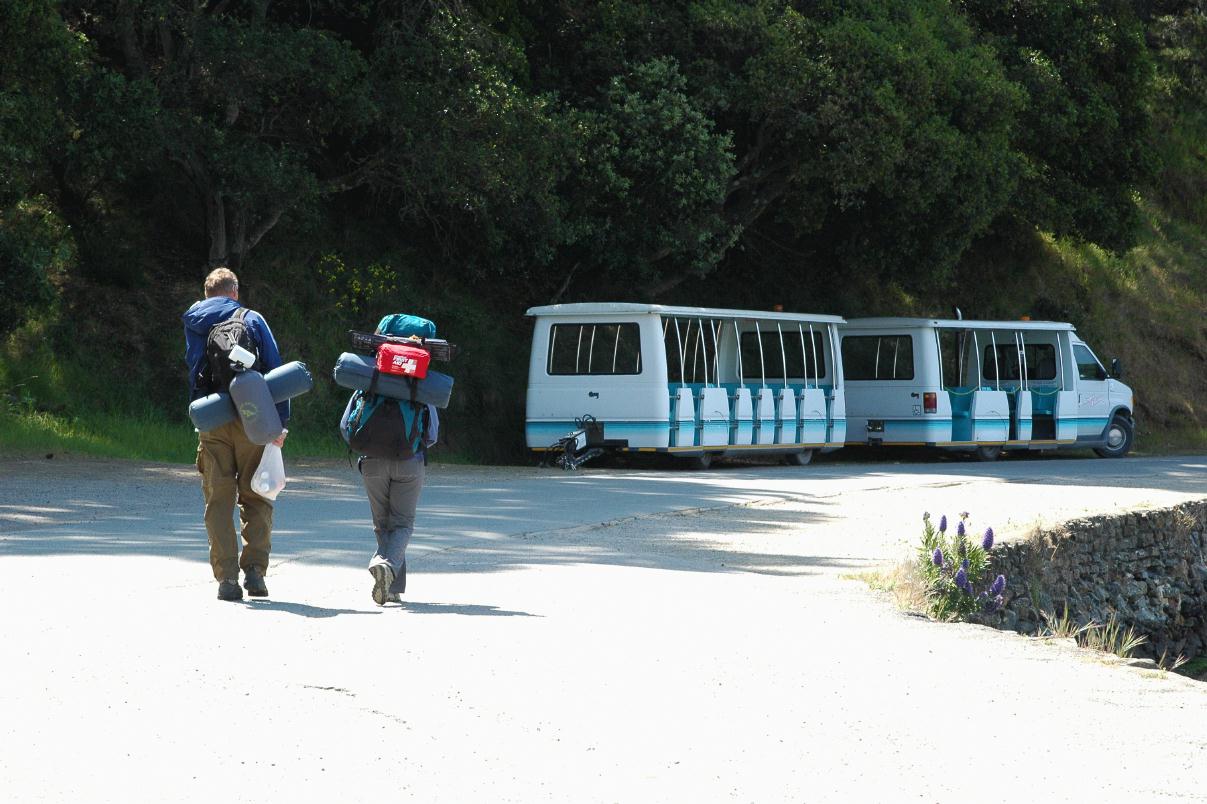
(914, 395)
(593, 394)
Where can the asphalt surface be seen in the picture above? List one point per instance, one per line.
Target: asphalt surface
(607, 635)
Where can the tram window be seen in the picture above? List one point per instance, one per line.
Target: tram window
(595, 349)
(698, 340)
(1041, 361)
(773, 359)
(1007, 362)
(878, 357)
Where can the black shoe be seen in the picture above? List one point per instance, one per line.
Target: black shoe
(229, 590)
(253, 582)
(383, 576)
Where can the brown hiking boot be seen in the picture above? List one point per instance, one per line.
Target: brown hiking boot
(253, 582)
(229, 590)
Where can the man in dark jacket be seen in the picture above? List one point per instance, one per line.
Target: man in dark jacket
(226, 458)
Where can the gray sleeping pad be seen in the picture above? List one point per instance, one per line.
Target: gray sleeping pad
(284, 382)
(356, 372)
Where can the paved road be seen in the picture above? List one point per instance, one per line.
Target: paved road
(603, 636)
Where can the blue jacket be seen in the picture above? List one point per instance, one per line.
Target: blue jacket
(200, 319)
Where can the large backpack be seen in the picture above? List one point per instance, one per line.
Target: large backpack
(216, 373)
(382, 427)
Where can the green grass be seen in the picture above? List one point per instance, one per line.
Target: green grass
(147, 438)
(1195, 668)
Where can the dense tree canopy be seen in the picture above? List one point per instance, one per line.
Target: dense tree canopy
(577, 149)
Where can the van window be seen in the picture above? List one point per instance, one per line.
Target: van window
(1041, 361)
(1088, 367)
(773, 359)
(595, 349)
(878, 357)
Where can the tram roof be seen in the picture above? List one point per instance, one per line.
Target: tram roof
(626, 308)
(954, 323)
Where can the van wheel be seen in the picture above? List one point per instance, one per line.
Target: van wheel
(802, 458)
(1119, 437)
(988, 453)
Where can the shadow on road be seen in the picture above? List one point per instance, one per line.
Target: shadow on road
(302, 609)
(466, 609)
(489, 519)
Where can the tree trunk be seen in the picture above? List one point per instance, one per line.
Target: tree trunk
(215, 228)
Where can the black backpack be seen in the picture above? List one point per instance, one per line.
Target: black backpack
(381, 427)
(216, 372)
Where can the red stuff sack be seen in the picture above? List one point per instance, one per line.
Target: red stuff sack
(401, 360)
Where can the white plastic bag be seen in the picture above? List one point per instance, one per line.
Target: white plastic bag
(270, 474)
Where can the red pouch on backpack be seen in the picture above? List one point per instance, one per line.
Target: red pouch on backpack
(402, 360)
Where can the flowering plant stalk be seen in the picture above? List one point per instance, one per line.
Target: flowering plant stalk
(956, 572)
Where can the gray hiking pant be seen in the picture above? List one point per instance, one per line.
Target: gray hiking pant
(393, 488)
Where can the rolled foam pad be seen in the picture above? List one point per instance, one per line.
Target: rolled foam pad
(257, 411)
(356, 372)
(284, 382)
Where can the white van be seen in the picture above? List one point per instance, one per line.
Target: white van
(982, 386)
(693, 381)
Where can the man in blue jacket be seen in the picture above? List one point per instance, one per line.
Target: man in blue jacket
(226, 458)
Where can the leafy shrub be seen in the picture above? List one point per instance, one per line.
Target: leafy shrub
(953, 567)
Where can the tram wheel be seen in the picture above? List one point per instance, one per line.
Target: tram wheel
(988, 453)
(802, 458)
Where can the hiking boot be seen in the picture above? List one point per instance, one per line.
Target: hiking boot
(393, 597)
(229, 590)
(383, 576)
(253, 582)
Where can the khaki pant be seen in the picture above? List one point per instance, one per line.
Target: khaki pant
(227, 461)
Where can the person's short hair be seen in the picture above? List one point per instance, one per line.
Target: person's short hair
(221, 281)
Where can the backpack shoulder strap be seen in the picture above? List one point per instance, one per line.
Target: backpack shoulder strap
(239, 314)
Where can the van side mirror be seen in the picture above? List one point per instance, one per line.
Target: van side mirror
(1116, 369)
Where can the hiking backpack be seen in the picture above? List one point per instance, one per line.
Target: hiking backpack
(216, 372)
(382, 427)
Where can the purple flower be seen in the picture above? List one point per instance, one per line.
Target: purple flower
(964, 515)
(987, 542)
(960, 529)
(943, 524)
(961, 578)
(999, 586)
(998, 602)
(937, 557)
(964, 565)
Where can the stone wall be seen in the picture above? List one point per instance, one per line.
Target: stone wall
(1147, 568)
